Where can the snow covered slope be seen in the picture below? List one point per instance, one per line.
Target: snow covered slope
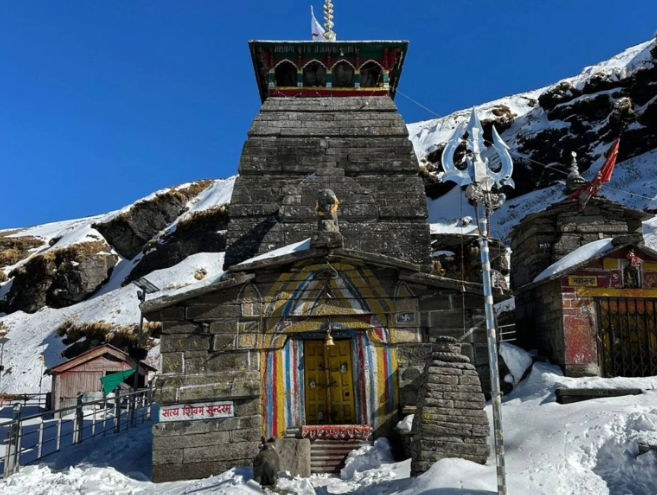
(584, 114)
(115, 302)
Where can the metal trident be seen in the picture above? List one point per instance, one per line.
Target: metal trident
(477, 167)
(481, 180)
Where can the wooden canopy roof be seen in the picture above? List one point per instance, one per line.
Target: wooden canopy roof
(93, 354)
(266, 55)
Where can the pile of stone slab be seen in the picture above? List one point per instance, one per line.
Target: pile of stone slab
(450, 420)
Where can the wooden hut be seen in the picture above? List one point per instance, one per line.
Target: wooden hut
(83, 373)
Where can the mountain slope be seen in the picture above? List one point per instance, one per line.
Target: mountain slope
(582, 114)
(110, 311)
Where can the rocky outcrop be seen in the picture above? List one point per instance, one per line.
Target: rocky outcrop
(586, 118)
(128, 232)
(80, 337)
(60, 277)
(585, 114)
(203, 232)
(15, 249)
(450, 420)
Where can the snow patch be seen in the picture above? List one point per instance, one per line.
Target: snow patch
(516, 359)
(577, 257)
(585, 448)
(34, 334)
(367, 458)
(406, 424)
(289, 249)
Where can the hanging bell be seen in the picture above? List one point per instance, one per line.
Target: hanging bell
(328, 342)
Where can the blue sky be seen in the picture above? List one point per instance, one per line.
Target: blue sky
(104, 102)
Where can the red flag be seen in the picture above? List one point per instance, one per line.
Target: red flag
(587, 191)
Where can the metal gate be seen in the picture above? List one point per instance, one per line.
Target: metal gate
(627, 336)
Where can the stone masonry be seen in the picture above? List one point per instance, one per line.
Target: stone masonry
(543, 238)
(356, 146)
(450, 420)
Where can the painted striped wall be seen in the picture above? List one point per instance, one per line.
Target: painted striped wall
(375, 382)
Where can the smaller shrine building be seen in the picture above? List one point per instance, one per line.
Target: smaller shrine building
(585, 286)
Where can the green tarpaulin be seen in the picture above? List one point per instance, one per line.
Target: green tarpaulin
(110, 382)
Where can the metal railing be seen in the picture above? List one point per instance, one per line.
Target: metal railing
(38, 400)
(507, 332)
(32, 437)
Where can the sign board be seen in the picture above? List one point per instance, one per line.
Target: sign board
(205, 410)
(407, 318)
(582, 280)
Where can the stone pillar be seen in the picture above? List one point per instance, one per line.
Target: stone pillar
(450, 420)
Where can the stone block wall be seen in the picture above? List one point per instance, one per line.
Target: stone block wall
(580, 331)
(542, 239)
(213, 341)
(443, 312)
(198, 449)
(450, 420)
(356, 146)
(539, 321)
(200, 363)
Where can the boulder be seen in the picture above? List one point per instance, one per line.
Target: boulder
(295, 456)
(203, 232)
(128, 232)
(60, 277)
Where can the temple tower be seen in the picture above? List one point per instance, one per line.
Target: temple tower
(328, 120)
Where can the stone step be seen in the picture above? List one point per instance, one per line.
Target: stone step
(570, 395)
(328, 456)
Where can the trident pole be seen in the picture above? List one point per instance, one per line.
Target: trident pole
(493, 364)
(482, 191)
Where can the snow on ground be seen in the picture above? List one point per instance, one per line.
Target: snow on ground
(428, 136)
(586, 448)
(517, 360)
(70, 232)
(406, 424)
(65, 234)
(33, 334)
(504, 306)
(630, 185)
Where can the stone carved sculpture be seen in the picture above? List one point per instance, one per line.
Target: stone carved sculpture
(267, 464)
(327, 211)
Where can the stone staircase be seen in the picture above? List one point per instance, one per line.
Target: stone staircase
(328, 455)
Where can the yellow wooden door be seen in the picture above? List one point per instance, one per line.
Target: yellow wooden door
(341, 387)
(315, 382)
(332, 402)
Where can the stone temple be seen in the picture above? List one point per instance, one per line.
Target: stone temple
(327, 326)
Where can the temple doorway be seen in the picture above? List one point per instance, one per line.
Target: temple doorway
(329, 383)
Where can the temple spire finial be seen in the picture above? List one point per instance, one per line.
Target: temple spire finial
(328, 20)
(574, 181)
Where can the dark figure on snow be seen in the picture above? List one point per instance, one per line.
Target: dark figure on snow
(267, 464)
